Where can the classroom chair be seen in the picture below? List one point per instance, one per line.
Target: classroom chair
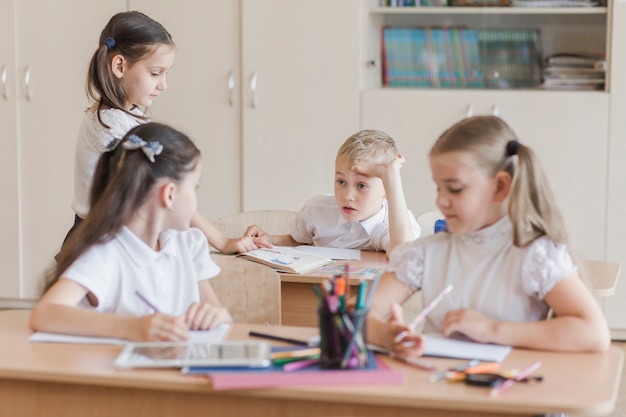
(426, 222)
(274, 222)
(250, 291)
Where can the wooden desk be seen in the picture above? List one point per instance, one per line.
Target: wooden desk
(298, 301)
(40, 379)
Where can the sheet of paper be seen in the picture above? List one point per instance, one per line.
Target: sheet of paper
(437, 345)
(217, 334)
(333, 253)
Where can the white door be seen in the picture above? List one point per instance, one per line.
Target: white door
(300, 66)
(55, 43)
(9, 220)
(203, 95)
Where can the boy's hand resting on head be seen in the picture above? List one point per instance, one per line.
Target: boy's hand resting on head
(204, 316)
(412, 343)
(158, 327)
(470, 323)
(372, 169)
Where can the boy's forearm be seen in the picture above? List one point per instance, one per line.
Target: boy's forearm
(399, 222)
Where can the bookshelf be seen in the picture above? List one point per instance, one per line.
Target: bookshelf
(562, 29)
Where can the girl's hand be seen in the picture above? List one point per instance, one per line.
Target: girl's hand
(204, 316)
(259, 236)
(411, 345)
(241, 245)
(158, 327)
(470, 323)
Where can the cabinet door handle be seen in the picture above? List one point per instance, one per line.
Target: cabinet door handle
(3, 76)
(231, 87)
(27, 83)
(496, 110)
(470, 110)
(253, 82)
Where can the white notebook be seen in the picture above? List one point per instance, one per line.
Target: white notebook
(437, 345)
(216, 334)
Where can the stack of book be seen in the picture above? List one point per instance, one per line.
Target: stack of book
(575, 71)
(461, 58)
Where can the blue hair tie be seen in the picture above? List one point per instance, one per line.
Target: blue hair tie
(109, 42)
(511, 147)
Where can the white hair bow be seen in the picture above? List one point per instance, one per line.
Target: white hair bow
(151, 149)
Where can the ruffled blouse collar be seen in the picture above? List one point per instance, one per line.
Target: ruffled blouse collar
(500, 230)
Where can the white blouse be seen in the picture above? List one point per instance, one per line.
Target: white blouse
(487, 271)
(93, 140)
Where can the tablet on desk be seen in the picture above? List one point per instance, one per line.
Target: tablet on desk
(250, 354)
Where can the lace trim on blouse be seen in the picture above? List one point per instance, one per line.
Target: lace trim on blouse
(545, 263)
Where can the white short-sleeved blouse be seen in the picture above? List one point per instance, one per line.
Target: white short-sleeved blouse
(93, 140)
(320, 223)
(114, 270)
(487, 271)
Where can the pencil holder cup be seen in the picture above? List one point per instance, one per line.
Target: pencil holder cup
(342, 339)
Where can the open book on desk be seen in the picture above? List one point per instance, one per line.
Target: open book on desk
(287, 259)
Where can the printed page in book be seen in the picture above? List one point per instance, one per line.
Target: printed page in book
(287, 259)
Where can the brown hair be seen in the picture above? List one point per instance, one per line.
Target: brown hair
(132, 35)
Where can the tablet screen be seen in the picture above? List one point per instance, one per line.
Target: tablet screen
(178, 354)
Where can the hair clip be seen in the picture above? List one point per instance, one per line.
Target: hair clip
(109, 42)
(511, 147)
(151, 149)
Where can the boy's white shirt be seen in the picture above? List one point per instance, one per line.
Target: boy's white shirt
(320, 223)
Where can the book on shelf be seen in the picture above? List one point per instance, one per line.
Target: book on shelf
(287, 259)
(458, 57)
(582, 71)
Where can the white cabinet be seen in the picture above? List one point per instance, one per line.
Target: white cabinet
(268, 88)
(48, 46)
(203, 95)
(615, 306)
(9, 213)
(568, 130)
(300, 72)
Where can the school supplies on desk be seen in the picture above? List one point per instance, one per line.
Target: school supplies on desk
(376, 372)
(286, 259)
(341, 322)
(313, 341)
